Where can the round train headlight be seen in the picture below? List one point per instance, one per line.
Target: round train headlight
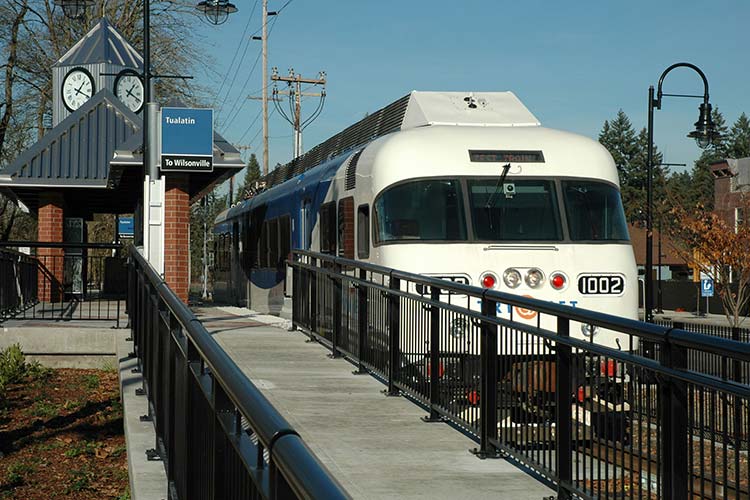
(534, 277)
(488, 280)
(512, 278)
(458, 327)
(558, 281)
(589, 330)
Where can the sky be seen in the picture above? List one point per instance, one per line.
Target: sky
(574, 64)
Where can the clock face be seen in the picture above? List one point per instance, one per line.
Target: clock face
(129, 89)
(77, 88)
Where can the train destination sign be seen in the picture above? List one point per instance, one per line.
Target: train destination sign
(187, 139)
(485, 156)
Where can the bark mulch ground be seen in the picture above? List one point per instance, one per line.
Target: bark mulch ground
(61, 436)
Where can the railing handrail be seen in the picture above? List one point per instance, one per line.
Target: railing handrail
(302, 468)
(646, 331)
(59, 244)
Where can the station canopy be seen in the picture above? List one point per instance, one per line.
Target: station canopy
(95, 158)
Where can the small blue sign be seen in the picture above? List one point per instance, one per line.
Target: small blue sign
(187, 139)
(707, 288)
(125, 227)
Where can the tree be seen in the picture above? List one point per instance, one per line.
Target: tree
(703, 238)
(738, 142)
(252, 174)
(34, 34)
(203, 212)
(630, 152)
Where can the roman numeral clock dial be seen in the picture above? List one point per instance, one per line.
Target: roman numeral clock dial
(77, 88)
(129, 89)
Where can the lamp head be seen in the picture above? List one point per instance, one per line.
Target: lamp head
(705, 133)
(74, 9)
(216, 11)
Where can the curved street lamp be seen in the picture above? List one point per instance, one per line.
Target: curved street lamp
(704, 134)
(216, 11)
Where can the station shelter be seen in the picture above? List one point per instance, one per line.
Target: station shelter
(91, 161)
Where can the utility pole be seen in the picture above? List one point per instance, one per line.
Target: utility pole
(294, 82)
(264, 97)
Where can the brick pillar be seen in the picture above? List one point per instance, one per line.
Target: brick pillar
(177, 235)
(50, 229)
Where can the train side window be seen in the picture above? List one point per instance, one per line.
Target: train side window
(285, 239)
(328, 228)
(273, 243)
(346, 228)
(263, 246)
(363, 232)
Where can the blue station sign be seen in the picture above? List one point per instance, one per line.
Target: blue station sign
(707, 288)
(187, 139)
(125, 227)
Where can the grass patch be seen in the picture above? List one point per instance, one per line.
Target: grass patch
(91, 381)
(79, 480)
(44, 409)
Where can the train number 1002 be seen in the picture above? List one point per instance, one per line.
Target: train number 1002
(601, 284)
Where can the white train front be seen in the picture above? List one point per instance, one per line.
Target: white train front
(464, 186)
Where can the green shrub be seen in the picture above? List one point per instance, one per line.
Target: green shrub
(12, 365)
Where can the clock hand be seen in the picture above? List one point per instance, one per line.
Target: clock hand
(130, 92)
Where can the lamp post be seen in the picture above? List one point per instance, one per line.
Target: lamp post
(704, 135)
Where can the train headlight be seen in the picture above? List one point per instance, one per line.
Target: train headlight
(534, 277)
(458, 327)
(589, 330)
(558, 281)
(488, 280)
(512, 278)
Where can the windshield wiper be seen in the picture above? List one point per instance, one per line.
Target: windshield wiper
(500, 181)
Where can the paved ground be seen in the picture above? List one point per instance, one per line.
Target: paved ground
(377, 447)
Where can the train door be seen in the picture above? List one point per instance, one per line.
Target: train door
(305, 224)
(235, 277)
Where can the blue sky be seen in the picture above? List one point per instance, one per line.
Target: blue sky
(574, 64)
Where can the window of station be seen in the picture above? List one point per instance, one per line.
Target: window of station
(429, 210)
(363, 232)
(328, 228)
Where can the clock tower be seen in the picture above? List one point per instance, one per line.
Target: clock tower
(102, 59)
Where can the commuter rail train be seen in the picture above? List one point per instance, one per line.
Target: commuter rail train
(462, 186)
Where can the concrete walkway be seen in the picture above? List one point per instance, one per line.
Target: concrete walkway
(376, 446)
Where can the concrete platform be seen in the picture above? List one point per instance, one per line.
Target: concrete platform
(376, 446)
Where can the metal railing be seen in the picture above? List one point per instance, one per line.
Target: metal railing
(217, 434)
(18, 283)
(66, 281)
(592, 420)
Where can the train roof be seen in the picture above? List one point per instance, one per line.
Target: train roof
(414, 110)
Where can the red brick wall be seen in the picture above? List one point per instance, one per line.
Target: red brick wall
(50, 229)
(177, 235)
(346, 228)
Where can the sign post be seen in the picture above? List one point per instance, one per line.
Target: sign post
(187, 139)
(707, 289)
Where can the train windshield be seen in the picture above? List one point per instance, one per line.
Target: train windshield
(421, 210)
(518, 210)
(594, 211)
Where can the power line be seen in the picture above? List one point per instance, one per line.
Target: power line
(244, 39)
(237, 109)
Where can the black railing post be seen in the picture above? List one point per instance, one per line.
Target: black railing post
(313, 295)
(362, 315)
(563, 420)
(488, 396)
(394, 342)
(338, 281)
(434, 367)
(673, 416)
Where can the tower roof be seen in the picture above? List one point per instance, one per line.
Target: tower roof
(102, 44)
